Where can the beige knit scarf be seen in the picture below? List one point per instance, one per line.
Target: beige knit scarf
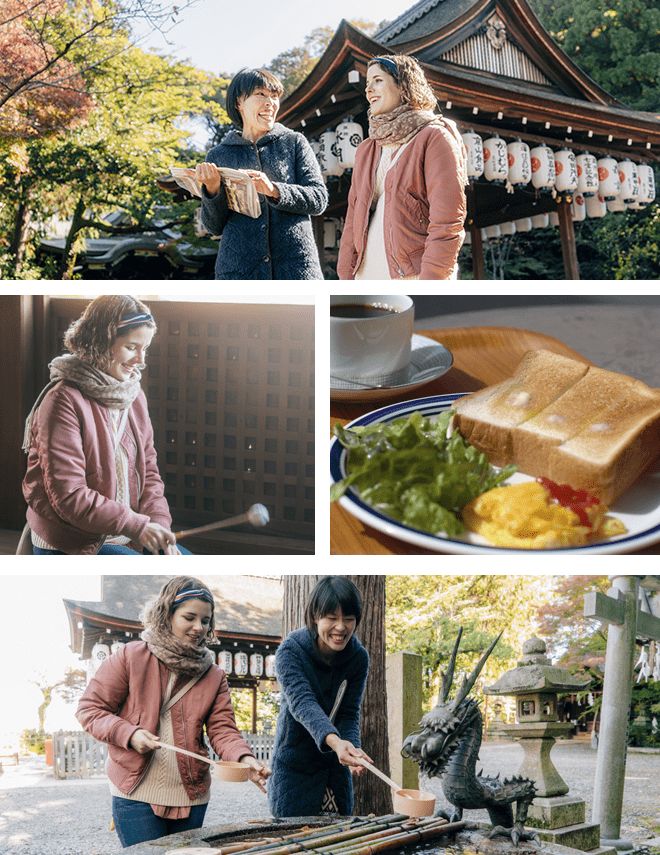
(96, 384)
(176, 655)
(400, 125)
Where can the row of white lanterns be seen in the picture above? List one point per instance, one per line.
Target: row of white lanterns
(335, 149)
(546, 170)
(239, 663)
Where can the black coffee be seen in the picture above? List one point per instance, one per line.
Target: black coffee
(357, 310)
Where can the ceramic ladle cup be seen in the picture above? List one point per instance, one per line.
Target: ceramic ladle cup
(407, 802)
(223, 770)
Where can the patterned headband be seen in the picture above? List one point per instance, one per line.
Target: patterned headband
(386, 63)
(137, 319)
(193, 594)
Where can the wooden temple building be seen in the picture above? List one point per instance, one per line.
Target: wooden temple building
(248, 618)
(495, 70)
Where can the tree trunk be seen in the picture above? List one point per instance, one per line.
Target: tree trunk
(371, 794)
(68, 260)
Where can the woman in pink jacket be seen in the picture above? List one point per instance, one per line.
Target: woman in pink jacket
(92, 483)
(406, 205)
(165, 689)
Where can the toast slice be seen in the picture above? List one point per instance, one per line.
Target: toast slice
(486, 418)
(567, 415)
(611, 452)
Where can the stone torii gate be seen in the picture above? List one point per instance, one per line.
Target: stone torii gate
(627, 622)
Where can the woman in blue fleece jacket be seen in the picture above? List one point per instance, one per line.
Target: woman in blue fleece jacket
(314, 757)
(279, 244)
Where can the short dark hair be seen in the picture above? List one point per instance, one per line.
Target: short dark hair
(244, 84)
(331, 593)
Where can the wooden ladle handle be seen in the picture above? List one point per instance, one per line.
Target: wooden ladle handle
(189, 753)
(381, 775)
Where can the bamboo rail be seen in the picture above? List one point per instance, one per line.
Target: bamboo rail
(370, 836)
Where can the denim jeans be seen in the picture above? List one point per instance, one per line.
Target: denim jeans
(135, 822)
(106, 549)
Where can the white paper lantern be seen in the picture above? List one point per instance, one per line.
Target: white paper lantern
(608, 178)
(270, 665)
(468, 238)
(256, 665)
(524, 224)
(329, 154)
(616, 205)
(628, 181)
(496, 166)
(475, 154)
(508, 228)
(646, 184)
(543, 168)
(578, 209)
(596, 206)
(116, 646)
(241, 664)
(540, 221)
(316, 148)
(349, 137)
(493, 231)
(587, 168)
(554, 219)
(225, 661)
(566, 176)
(520, 163)
(100, 652)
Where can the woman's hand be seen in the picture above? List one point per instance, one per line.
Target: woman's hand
(347, 753)
(208, 175)
(143, 741)
(263, 183)
(258, 773)
(156, 538)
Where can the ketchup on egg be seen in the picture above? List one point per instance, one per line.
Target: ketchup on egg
(575, 500)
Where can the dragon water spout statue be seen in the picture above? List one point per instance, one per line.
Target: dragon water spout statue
(448, 746)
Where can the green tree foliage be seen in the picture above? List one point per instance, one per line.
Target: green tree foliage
(424, 614)
(616, 42)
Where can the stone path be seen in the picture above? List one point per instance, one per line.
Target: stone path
(42, 816)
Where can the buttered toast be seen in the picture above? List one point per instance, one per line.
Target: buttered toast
(565, 420)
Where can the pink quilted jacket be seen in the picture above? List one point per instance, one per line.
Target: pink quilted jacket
(126, 696)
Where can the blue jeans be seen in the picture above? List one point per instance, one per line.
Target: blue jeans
(135, 822)
(106, 549)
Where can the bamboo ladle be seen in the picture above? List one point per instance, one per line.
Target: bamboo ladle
(223, 770)
(407, 802)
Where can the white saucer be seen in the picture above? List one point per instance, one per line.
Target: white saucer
(428, 361)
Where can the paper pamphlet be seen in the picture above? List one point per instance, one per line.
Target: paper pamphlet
(242, 195)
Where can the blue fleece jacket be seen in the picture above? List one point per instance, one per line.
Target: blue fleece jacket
(280, 243)
(303, 766)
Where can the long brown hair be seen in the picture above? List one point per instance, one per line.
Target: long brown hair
(415, 88)
(157, 614)
(93, 334)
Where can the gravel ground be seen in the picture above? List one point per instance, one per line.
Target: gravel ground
(42, 816)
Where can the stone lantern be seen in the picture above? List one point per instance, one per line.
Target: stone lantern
(535, 684)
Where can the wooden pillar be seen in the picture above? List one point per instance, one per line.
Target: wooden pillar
(567, 232)
(478, 264)
(20, 381)
(318, 225)
(254, 708)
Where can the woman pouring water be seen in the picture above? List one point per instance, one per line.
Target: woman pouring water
(406, 205)
(322, 670)
(165, 689)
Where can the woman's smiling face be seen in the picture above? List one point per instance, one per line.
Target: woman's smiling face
(382, 91)
(190, 622)
(258, 111)
(335, 631)
(128, 352)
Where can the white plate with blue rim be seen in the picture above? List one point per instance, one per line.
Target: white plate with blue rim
(638, 508)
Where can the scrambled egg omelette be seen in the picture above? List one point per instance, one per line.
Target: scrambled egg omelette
(526, 516)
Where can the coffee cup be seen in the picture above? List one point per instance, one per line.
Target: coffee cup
(370, 337)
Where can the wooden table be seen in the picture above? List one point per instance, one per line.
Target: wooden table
(482, 356)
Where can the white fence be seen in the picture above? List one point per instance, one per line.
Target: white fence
(78, 755)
